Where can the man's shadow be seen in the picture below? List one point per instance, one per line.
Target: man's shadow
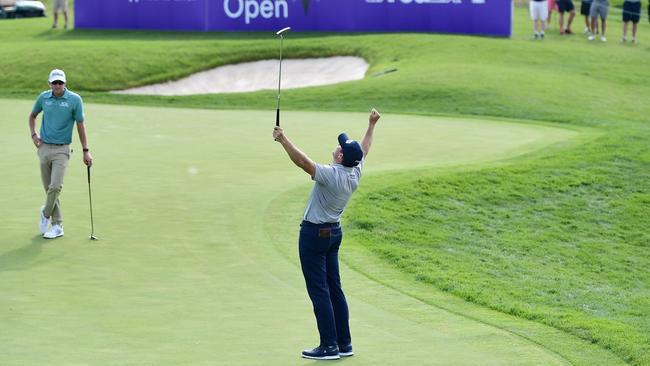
(22, 258)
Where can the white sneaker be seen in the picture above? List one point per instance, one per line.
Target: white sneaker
(55, 232)
(624, 39)
(591, 37)
(603, 39)
(586, 31)
(634, 40)
(45, 222)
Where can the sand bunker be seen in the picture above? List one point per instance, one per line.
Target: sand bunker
(260, 75)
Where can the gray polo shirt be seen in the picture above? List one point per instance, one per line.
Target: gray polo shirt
(332, 191)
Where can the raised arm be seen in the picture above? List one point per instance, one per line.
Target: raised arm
(298, 157)
(367, 138)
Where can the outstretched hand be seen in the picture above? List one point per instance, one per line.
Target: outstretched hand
(278, 133)
(374, 116)
(367, 138)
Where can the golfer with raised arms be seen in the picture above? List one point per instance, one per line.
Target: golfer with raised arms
(61, 109)
(321, 235)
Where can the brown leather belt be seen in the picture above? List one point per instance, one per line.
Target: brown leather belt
(324, 232)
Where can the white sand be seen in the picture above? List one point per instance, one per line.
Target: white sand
(260, 75)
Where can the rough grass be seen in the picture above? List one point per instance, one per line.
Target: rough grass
(564, 243)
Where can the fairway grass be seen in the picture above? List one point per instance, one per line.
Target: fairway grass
(187, 269)
(557, 233)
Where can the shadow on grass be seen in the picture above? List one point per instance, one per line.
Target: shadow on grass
(23, 258)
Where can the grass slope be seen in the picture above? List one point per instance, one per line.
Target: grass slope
(554, 243)
(588, 206)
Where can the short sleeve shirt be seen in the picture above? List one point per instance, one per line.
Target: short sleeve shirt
(59, 115)
(333, 188)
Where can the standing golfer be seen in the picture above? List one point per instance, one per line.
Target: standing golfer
(61, 109)
(321, 235)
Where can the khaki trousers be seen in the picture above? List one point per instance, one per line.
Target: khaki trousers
(54, 162)
(59, 5)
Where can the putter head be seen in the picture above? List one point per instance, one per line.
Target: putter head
(279, 33)
(93, 237)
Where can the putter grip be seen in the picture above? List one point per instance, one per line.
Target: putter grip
(88, 174)
(277, 117)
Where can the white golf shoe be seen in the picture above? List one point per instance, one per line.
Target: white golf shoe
(45, 222)
(54, 232)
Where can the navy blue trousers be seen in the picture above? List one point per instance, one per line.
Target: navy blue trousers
(319, 258)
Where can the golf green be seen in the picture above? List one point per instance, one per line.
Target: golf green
(193, 209)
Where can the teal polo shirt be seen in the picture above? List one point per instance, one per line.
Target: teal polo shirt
(59, 115)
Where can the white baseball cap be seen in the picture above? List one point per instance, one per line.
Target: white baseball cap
(57, 74)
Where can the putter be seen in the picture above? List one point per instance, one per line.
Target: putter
(90, 199)
(277, 112)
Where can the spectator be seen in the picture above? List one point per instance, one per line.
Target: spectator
(565, 6)
(631, 13)
(538, 13)
(599, 8)
(585, 6)
(551, 6)
(61, 5)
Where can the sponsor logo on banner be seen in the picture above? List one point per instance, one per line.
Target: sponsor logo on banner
(253, 9)
(445, 16)
(279, 9)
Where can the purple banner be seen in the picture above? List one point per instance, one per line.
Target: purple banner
(483, 17)
(142, 14)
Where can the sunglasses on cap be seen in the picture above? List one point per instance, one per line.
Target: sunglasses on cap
(58, 82)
